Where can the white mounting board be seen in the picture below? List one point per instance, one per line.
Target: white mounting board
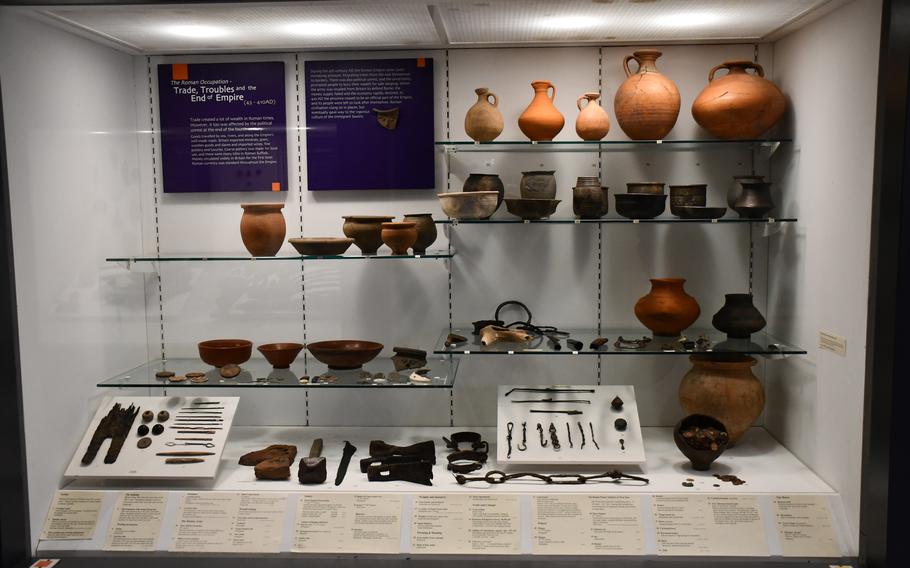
(599, 413)
(136, 463)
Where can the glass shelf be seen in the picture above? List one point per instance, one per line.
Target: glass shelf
(617, 220)
(604, 145)
(760, 344)
(258, 373)
(246, 258)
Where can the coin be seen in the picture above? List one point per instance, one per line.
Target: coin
(177, 379)
(202, 379)
(230, 371)
(143, 443)
(164, 374)
(194, 374)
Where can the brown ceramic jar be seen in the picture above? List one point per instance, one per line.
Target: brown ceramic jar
(739, 104)
(725, 389)
(262, 228)
(366, 230)
(483, 121)
(399, 236)
(592, 122)
(589, 199)
(541, 122)
(695, 194)
(485, 182)
(426, 231)
(667, 310)
(646, 105)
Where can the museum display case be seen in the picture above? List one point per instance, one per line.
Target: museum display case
(625, 322)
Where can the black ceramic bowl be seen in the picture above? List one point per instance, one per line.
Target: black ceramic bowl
(531, 208)
(701, 459)
(695, 212)
(640, 205)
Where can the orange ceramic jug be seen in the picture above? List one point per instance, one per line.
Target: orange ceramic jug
(647, 103)
(667, 309)
(739, 104)
(541, 121)
(592, 122)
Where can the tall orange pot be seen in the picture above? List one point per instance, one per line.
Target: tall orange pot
(667, 310)
(541, 122)
(262, 228)
(724, 389)
(739, 104)
(646, 105)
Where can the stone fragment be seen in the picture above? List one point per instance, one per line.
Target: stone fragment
(271, 463)
(143, 443)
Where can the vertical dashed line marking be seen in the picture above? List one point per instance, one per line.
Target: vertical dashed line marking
(299, 128)
(148, 62)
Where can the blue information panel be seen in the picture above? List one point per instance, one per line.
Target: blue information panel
(223, 127)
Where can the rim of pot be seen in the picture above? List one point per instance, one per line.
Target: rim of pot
(733, 360)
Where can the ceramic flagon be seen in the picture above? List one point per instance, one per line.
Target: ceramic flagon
(646, 105)
(725, 389)
(541, 122)
(739, 104)
(262, 228)
(592, 122)
(483, 121)
(667, 310)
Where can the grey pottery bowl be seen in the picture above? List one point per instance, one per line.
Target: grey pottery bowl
(469, 205)
(694, 212)
(532, 209)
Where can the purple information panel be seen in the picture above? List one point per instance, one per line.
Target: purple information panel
(370, 124)
(223, 127)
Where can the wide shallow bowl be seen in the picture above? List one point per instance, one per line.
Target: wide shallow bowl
(529, 208)
(640, 205)
(345, 353)
(221, 352)
(701, 459)
(280, 355)
(694, 212)
(321, 246)
(469, 205)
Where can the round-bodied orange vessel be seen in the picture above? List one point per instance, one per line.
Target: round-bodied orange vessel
(399, 236)
(541, 122)
(739, 104)
(262, 228)
(646, 105)
(725, 389)
(667, 310)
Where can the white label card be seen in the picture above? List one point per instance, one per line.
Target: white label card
(587, 524)
(136, 521)
(692, 525)
(348, 523)
(465, 524)
(229, 522)
(73, 516)
(805, 526)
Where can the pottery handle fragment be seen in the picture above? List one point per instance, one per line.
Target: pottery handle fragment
(495, 99)
(715, 69)
(578, 102)
(625, 64)
(759, 70)
(553, 96)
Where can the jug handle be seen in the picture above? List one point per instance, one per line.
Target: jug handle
(759, 70)
(625, 64)
(578, 102)
(495, 102)
(553, 96)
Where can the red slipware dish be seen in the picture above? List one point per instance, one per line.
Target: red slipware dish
(221, 352)
(280, 355)
(345, 353)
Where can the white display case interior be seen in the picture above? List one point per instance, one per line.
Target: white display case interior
(114, 275)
